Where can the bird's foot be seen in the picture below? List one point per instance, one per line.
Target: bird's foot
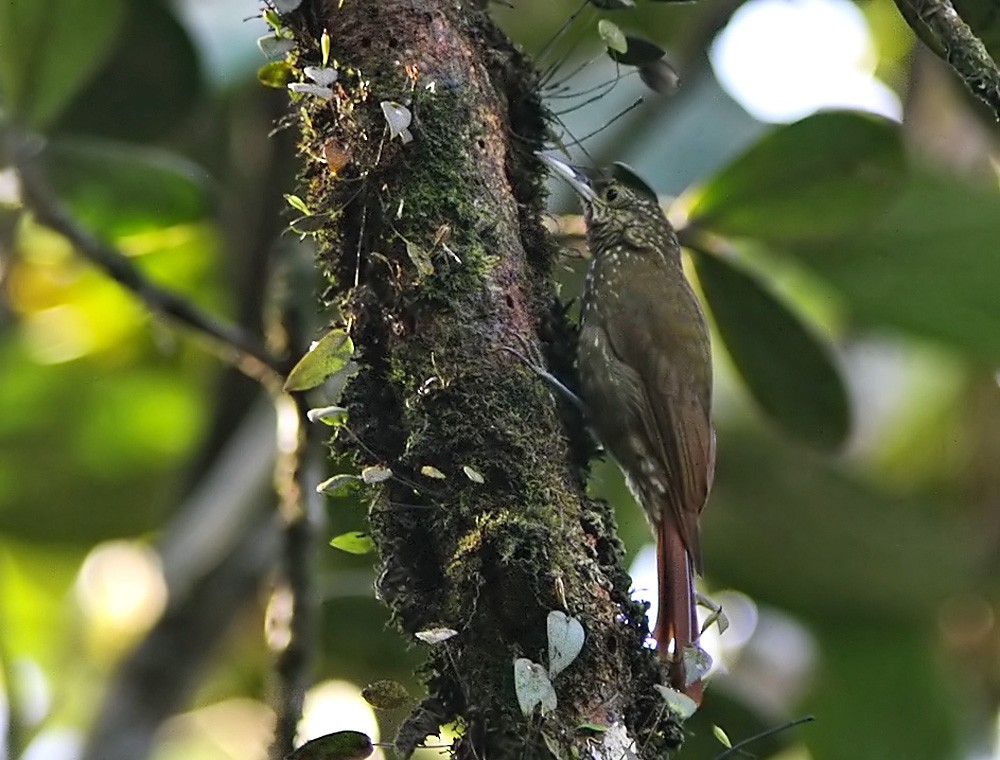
(535, 366)
(716, 617)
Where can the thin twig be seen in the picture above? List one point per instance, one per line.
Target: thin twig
(296, 474)
(962, 49)
(740, 746)
(251, 358)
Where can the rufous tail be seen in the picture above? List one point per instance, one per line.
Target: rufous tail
(676, 620)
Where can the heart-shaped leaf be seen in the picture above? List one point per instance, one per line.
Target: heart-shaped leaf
(677, 702)
(566, 637)
(660, 77)
(786, 368)
(533, 687)
(612, 36)
(323, 76)
(398, 117)
(639, 52)
(275, 74)
(328, 356)
(342, 745)
(386, 695)
(353, 542)
(811, 179)
(697, 663)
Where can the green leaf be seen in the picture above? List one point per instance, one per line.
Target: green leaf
(328, 356)
(927, 266)
(275, 74)
(817, 177)
(638, 52)
(131, 100)
(353, 542)
(721, 735)
(786, 368)
(386, 695)
(612, 36)
(429, 471)
(420, 258)
(297, 203)
(338, 485)
(117, 189)
(342, 745)
(49, 49)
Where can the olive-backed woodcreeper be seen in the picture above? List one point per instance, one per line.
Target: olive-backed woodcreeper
(646, 379)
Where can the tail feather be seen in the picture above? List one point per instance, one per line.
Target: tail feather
(676, 619)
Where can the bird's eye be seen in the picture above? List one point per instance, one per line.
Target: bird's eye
(611, 194)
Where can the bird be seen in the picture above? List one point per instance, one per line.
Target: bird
(645, 377)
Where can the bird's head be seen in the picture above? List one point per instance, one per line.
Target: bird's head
(615, 199)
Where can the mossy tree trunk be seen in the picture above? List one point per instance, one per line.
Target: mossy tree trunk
(435, 258)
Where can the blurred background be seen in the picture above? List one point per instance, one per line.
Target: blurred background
(861, 583)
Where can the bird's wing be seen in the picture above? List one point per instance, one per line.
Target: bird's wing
(669, 394)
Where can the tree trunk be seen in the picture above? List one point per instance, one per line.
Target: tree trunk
(435, 258)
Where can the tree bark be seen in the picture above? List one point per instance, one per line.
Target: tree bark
(435, 258)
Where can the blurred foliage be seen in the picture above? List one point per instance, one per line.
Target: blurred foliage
(873, 557)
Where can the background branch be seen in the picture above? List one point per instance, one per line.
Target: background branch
(252, 358)
(958, 45)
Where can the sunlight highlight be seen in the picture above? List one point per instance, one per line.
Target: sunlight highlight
(785, 59)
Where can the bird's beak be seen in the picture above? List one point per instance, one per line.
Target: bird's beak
(575, 176)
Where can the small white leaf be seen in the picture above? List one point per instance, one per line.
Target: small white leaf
(324, 76)
(533, 687)
(375, 474)
(473, 475)
(398, 117)
(697, 663)
(331, 415)
(565, 641)
(678, 703)
(435, 635)
(274, 47)
(617, 743)
(305, 88)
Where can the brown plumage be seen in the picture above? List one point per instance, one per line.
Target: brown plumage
(646, 379)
